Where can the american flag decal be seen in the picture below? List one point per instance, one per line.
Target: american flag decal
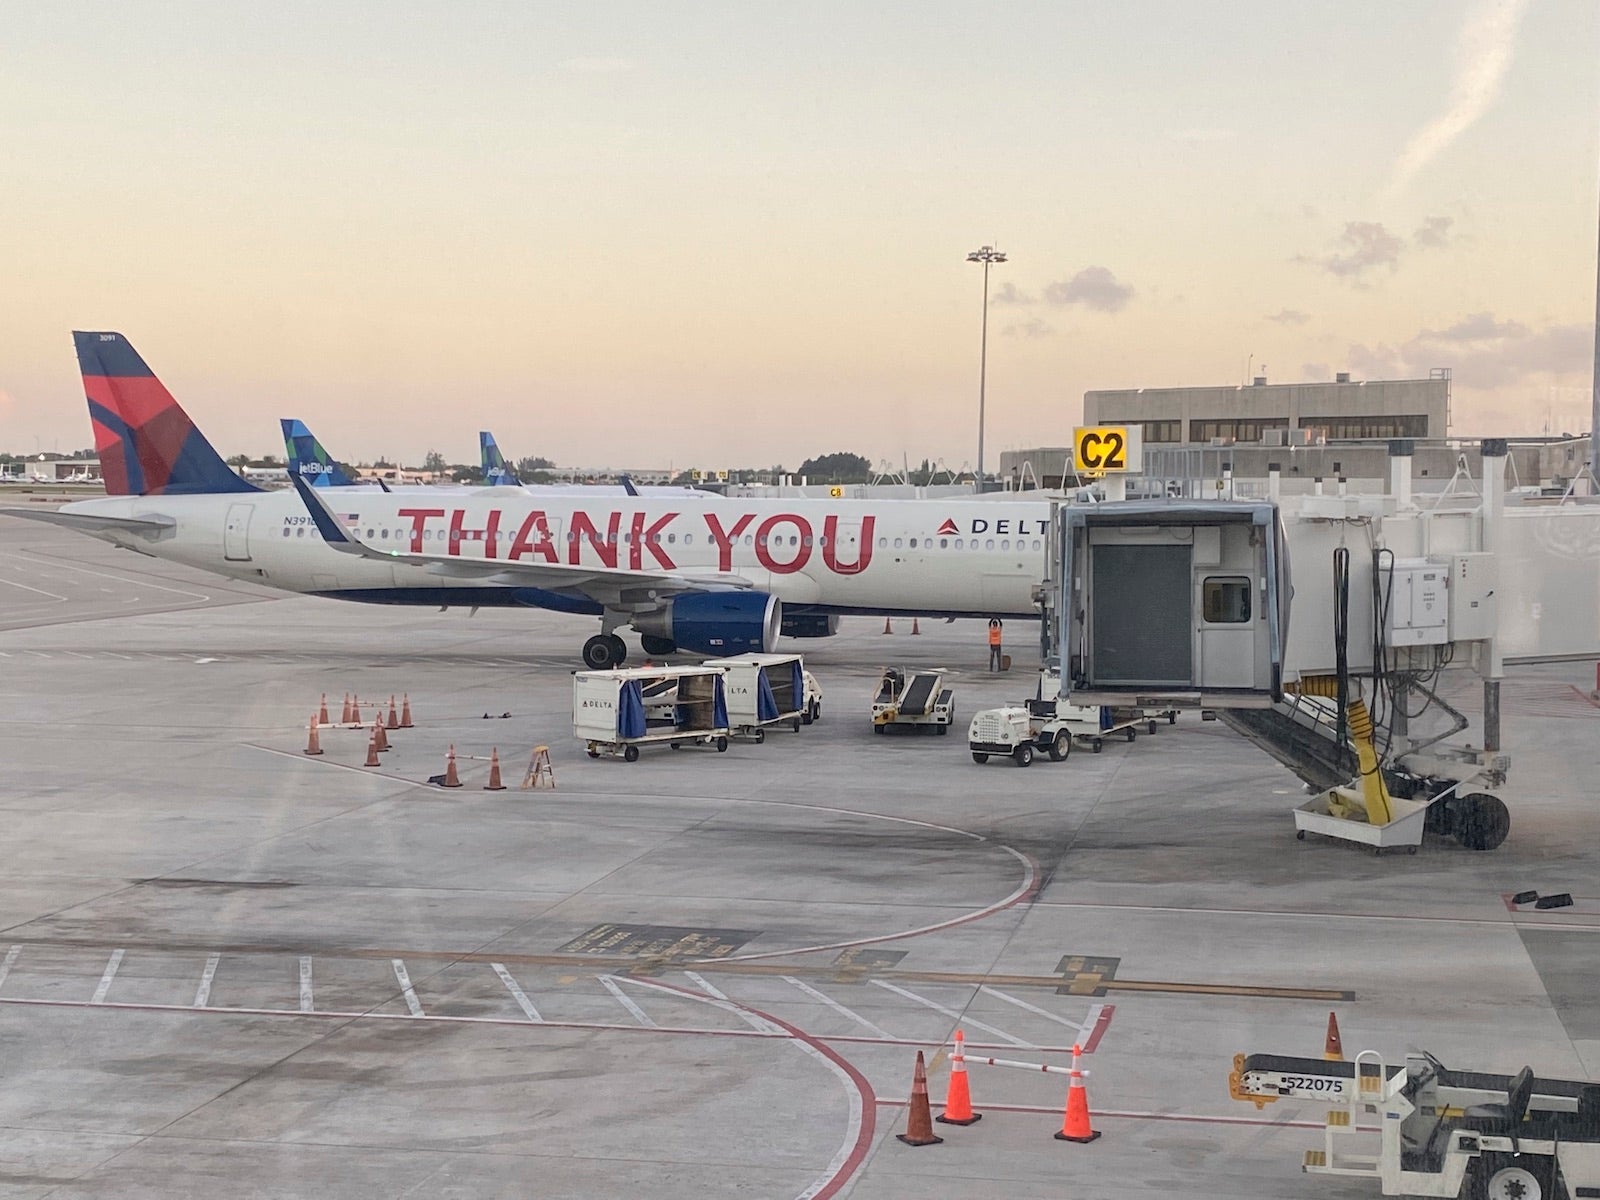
(350, 518)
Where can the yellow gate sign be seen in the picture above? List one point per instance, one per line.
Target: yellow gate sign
(1106, 449)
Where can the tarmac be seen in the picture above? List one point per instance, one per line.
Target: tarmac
(229, 968)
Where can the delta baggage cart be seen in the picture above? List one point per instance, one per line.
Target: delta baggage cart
(764, 690)
(616, 712)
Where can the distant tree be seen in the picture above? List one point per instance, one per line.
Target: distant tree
(433, 461)
(382, 464)
(537, 462)
(840, 467)
(351, 472)
(239, 460)
(459, 472)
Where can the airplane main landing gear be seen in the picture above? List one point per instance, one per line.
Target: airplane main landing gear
(603, 651)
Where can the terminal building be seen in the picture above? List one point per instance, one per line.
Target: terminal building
(1338, 430)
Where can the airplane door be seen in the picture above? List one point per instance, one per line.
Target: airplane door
(236, 533)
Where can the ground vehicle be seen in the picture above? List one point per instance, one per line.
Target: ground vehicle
(1440, 1132)
(915, 698)
(1019, 732)
(765, 690)
(616, 712)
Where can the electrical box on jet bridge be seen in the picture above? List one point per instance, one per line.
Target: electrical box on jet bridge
(1172, 604)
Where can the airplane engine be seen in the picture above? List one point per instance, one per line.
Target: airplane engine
(717, 622)
(809, 624)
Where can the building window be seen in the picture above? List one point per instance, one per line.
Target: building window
(1409, 425)
(1241, 429)
(1225, 600)
(1154, 431)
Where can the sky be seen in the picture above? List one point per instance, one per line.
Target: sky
(722, 235)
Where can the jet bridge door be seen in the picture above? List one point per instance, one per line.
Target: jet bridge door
(1141, 620)
(236, 533)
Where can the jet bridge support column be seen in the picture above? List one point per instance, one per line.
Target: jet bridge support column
(1493, 518)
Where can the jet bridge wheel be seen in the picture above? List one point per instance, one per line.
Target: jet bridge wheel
(1481, 821)
(1503, 1177)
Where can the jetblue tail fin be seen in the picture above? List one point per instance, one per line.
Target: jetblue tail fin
(147, 444)
(495, 471)
(308, 460)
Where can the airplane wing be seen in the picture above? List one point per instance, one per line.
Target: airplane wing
(614, 587)
(151, 526)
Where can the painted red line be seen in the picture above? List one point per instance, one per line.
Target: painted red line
(868, 1126)
(1134, 1115)
(1102, 1022)
(1584, 696)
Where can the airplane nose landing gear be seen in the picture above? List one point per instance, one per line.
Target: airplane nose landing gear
(604, 650)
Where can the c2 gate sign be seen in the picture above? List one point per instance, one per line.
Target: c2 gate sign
(1105, 449)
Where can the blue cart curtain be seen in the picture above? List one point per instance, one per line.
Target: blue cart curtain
(630, 710)
(1106, 721)
(798, 683)
(766, 702)
(719, 706)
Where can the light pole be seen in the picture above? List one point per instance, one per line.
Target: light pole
(985, 255)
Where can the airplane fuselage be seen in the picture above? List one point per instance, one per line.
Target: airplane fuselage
(956, 558)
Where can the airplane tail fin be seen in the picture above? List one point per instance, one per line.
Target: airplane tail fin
(495, 471)
(147, 444)
(308, 460)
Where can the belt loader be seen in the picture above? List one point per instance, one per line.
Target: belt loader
(1440, 1132)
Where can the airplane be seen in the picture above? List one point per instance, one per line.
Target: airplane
(309, 461)
(716, 578)
(497, 473)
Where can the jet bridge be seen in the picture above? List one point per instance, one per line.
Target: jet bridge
(1336, 669)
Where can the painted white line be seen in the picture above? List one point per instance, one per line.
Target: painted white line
(11, 958)
(616, 992)
(202, 994)
(412, 1002)
(835, 1005)
(199, 596)
(516, 991)
(949, 1012)
(80, 654)
(1094, 1012)
(705, 985)
(112, 964)
(305, 984)
(114, 654)
(36, 591)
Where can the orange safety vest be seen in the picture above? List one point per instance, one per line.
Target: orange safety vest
(994, 635)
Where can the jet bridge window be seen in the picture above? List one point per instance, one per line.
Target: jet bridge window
(1225, 600)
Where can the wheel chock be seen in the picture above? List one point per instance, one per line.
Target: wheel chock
(1559, 900)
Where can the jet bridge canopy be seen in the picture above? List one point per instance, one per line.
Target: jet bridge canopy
(1172, 603)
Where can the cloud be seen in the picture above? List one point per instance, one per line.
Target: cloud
(1095, 288)
(1362, 246)
(1482, 351)
(1483, 53)
(1032, 328)
(1433, 232)
(1007, 293)
(598, 65)
(1290, 316)
(1315, 372)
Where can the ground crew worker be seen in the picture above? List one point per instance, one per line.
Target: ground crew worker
(995, 658)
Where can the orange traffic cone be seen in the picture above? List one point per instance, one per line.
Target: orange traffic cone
(1332, 1047)
(394, 719)
(958, 1099)
(313, 743)
(379, 738)
(919, 1118)
(1075, 1124)
(344, 714)
(494, 784)
(322, 712)
(372, 752)
(916, 629)
(405, 712)
(451, 779)
(887, 627)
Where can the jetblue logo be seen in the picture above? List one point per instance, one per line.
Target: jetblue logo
(311, 468)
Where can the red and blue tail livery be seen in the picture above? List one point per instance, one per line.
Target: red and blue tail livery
(147, 444)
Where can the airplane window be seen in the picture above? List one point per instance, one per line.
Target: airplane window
(300, 532)
(807, 539)
(285, 531)
(671, 537)
(688, 539)
(370, 533)
(913, 543)
(1037, 545)
(627, 538)
(794, 540)
(656, 538)
(1005, 543)
(455, 535)
(611, 537)
(821, 540)
(989, 545)
(897, 543)
(944, 543)
(747, 539)
(883, 543)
